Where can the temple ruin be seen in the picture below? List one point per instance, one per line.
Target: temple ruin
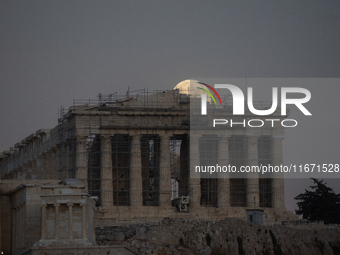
(131, 156)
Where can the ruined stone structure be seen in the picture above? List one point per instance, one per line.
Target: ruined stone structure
(43, 206)
(132, 153)
(228, 236)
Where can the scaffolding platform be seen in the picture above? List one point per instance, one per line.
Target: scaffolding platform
(181, 203)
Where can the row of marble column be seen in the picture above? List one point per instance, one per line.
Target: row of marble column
(252, 188)
(70, 223)
(136, 188)
(136, 185)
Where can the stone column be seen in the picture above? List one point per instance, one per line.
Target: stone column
(136, 182)
(43, 221)
(54, 163)
(165, 171)
(47, 162)
(195, 180)
(14, 225)
(34, 166)
(56, 207)
(68, 161)
(223, 178)
(38, 164)
(83, 207)
(106, 172)
(41, 164)
(81, 160)
(23, 224)
(70, 225)
(17, 234)
(253, 198)
(278, 180)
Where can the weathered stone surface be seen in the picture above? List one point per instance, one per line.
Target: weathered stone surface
(230, 236)
(78, 250)
(74, 183)
(141, 233)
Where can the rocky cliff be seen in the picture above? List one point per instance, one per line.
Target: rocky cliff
(229, 236)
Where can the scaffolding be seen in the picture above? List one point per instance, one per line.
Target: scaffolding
(118, 117)
(96, 122)
(133, 150)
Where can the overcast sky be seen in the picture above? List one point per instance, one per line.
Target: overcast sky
(52, 52)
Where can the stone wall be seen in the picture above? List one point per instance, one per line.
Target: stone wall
(229, 236)
(33, 158)
(78, 250)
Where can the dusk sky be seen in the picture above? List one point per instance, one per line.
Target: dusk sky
(52, 52)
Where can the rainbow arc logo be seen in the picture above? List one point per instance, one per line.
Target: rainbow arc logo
(209, 93)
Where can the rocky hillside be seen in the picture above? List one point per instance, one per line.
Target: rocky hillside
(229, 236)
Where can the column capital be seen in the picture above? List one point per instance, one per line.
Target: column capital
(105, 136)
(252, 140)
(81, 137)
(168, 136)
(134, 136)
(165, 133)
(56, 205)
(83, 205)
(134, 133)
(70, 204)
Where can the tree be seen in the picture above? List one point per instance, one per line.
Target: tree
(321, 203)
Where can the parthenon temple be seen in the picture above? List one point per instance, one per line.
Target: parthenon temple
(126, 160)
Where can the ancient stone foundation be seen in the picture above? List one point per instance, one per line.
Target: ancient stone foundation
(80, 250)
(229, 236)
